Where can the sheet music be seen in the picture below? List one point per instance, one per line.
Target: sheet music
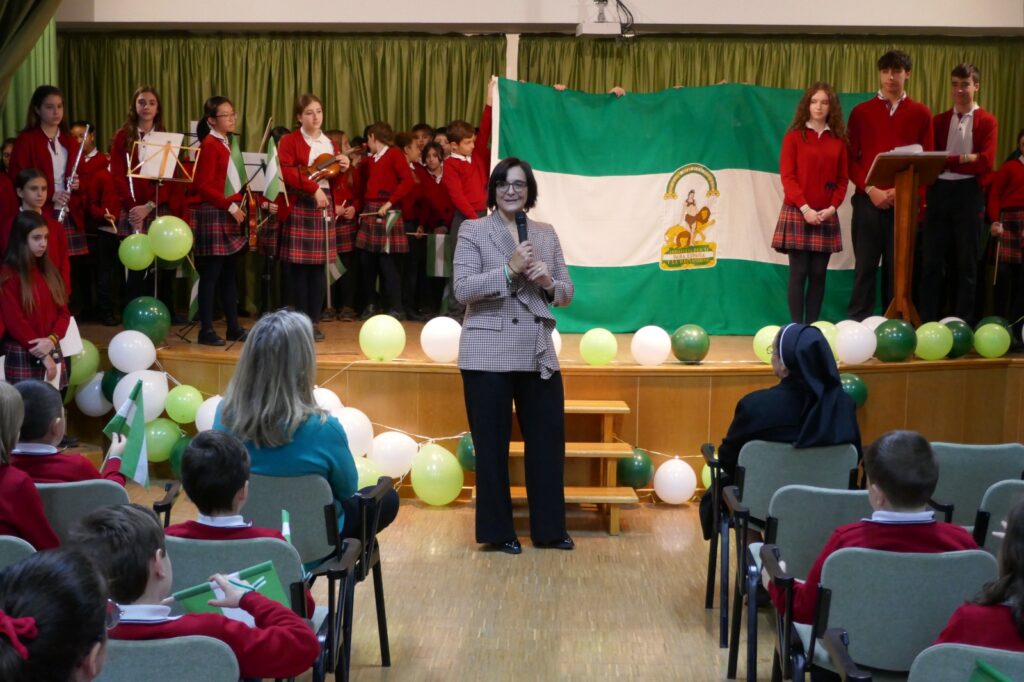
(254, 165)
(158, 153)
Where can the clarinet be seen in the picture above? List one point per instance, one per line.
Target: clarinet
(74, 173)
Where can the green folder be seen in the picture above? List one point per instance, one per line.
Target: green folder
(260, 578)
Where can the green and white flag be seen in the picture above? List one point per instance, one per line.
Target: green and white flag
(129, 421)
(236, 176)
(272, 173)
(260, 578)
(390, 218)
(336, 269)
(193, 289)
(439, 255)
(665, 203)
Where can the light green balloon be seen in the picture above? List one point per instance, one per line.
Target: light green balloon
(85, 364)
(598, 347)
(368, 472)
(161, 435)
(992, 340)
(436, 475)
(705, 477)
(182, 403)
(136, 252)
(934, 341)
(170, 237)
(763, 340)
(829, 331)
(382, 338)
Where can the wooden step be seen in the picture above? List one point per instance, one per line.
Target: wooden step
(595, 407)
(587, 495)
(592, 450)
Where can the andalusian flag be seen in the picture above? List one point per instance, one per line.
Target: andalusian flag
(439, 255)
(129, 421)
(665, 203)
(336, 269)
(236, 176)
(272, 173)
(193, 289)
(260, 578)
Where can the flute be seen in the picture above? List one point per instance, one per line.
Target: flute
(74, 172)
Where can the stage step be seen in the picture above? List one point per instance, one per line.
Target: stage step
(594, 407)
(587, 495)
(591, 450)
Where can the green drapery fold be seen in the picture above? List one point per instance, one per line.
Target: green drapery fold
(650, 63)
(27, 56)
(402, 79)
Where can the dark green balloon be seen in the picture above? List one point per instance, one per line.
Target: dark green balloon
(176, 453)
(634, 471)
(109, 383)
(963, 338)
(466, 453)
(168, 264)
(896, 341)
(690, 344)
(149, 316)
(992, 319)
(854, 387)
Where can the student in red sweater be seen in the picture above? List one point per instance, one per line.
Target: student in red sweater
(127, 544)
(902, 474)
(387, 179)
(42, 431)
(33, 305)
(31, 188)
(21, 510)
(441, 138)
(956, 201)
(888, 120)
(351, 194)
(414, 267)
(813, 167)
(996, 618)
(1006, 211)
(436, 212)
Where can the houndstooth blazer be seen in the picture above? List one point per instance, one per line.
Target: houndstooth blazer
(507, 327)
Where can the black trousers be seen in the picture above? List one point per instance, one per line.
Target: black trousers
(140, 283)
(872, 240)
(951, 230)
(454, 308)
(104, 248)
(343, 291)
(414, 272)
(540, 408)
(81, 304)
(308, 286)
(386, 266)
(350, 527)
(807, 269)
(218, 272)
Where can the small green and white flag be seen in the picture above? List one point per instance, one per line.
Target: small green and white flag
(272, 173)
(336, 269)
(236, 176)
(286, 525)
(390, 219)
(260, 578)
(130, 421)
(439, 255)
(193, 290)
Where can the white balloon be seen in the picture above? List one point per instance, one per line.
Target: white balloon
(131, 351)
(90, 398)
(675, 481)
(393, 453)
(855, 344)
(846, 323)
(949, 319)
(154, 391)
(651, 345)
(327, 399)
(556, 341)
(358, 429)
(440, 339)
(873, 321)
(206, 412)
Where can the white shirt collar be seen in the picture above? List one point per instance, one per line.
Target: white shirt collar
(93, 153)
(145, 613)
(223, 521)
(970, 114)
(823, 130)
(895, 517)
(381, 152)
(460, 157)
(1021, 158)
(34, 449)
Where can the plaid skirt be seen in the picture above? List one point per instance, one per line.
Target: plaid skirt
(124, 228)
(268, 237)
(1010, 247)
(346, 235)
(793, 233)
(77, 245)
(20, 365)
(216, 232)
(374, 238)
(304, 236)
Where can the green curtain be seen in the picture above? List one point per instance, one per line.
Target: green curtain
(787, 61)
(402, 79)
(27, 56)
(39, 68)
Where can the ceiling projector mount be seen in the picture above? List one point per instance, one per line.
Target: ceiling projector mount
(598, 20)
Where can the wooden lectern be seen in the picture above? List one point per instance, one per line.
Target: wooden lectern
(906, 172)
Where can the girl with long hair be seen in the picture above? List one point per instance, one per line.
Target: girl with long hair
(32, 191)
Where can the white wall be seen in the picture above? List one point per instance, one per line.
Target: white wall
(865, 16)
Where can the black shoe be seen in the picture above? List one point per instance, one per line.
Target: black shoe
(510, 547)
(237, 335)
(419, 317)
(317, 334)
(109, 321)
(565, 543)
(68, 441)
(210, 338)
(177, 319)
(327, 315)
(398, 315)
(368, 312)
(347, 314)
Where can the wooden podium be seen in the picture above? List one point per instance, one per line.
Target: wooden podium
(906, 172)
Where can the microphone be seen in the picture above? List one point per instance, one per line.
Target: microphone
(521, 225)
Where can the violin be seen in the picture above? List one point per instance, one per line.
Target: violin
(324, 167)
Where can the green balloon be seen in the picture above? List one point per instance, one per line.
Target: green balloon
(896, 341)
(992, 340)
(830, 332)
(466, 453)
(148, 315)
(705, 476)
(963, 338)
(109, 383)
(176, 454)
(382, 338)
(182, 403)
(368, 472)
(934, 341)
(854, 387)
(436, 475)
(634, 471)
(69, 395)
(169, 264)
(161, 435)
(170, 237)
(992, 319)
(598, 347)
(85, 364)
(690, 344)
(764, 339)
(135, 252)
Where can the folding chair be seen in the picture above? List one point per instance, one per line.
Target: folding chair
(66, 503)
(995, 505)
(13, 550)
(967, 471)
(938, 662)
(179, 659)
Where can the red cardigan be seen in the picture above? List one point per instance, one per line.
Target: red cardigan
(983, 136)
(988, 626)
(47, 317)
(171, 195)
(1006, 189)
(388, 179)
(813, 169)
(281, 644)
(436, 207)
(466, 182)
(871, 131)
(210, 174)
(293, 154)
(98, 193)
(21, 510)
(410, 203)
(924, 538)
(66, 468)
(31, 151)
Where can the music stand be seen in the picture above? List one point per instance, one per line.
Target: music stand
(906, 172)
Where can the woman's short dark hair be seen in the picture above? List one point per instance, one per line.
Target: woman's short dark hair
(500, 173)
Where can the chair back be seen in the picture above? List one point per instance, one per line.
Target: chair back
(66, 503)
(769, 466)
(996, 504)
(803, 518)
(894, 604)
(967, 471)
(178, 659)
(369, 512)
(959, 661)
(13, 550)
(304, 497)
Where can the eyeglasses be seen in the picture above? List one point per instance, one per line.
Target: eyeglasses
(113, 615)
(231, 115)
(517, 186)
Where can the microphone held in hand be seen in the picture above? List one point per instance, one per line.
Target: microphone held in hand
(521, 225)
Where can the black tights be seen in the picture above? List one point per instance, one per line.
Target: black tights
(218, 272)
(806, 268)
(308, 285)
